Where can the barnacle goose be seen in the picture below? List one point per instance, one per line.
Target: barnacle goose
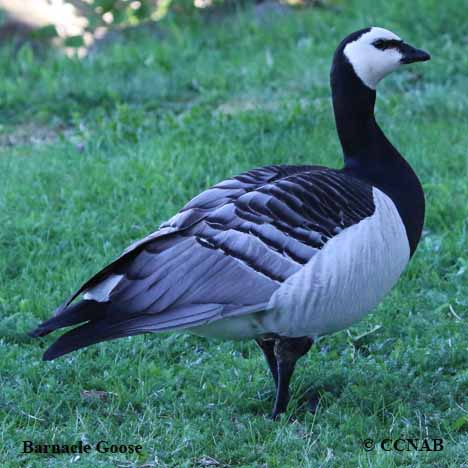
(280, 254)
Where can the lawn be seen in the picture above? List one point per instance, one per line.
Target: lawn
(96, 153)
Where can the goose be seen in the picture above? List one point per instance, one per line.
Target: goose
(282, 254)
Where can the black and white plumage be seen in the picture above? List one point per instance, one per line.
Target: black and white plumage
(280, 254)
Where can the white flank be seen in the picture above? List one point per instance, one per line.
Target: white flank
(371, 64)
(101, 291)
(346, 279)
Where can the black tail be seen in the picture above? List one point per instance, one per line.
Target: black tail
(104, 325)
(80, 312)
(83, 336)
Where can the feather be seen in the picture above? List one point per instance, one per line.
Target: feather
(76, 313)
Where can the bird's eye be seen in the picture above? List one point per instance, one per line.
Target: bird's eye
(380, 44)
(384, 44)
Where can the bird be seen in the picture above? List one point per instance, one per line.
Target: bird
(282, 254)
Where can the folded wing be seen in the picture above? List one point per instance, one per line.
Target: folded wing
(224, 254)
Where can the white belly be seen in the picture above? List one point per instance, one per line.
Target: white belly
(338, 286)
(232, 328)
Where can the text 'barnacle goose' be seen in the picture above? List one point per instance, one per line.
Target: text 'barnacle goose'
(280, 254)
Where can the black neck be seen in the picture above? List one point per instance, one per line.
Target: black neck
(361, 138)
(368, 154)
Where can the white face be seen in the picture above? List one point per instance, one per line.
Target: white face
(370, 63)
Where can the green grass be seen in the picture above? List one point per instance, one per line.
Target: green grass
(96, 153)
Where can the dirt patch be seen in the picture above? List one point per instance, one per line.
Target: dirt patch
(27, 134)
(33, 134)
